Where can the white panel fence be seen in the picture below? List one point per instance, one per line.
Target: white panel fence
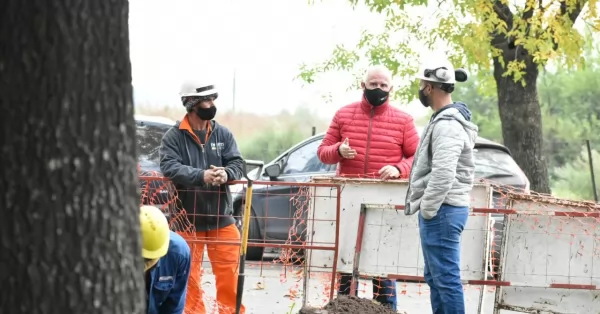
(550, 249)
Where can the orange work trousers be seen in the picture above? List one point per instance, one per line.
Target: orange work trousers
(224, 260)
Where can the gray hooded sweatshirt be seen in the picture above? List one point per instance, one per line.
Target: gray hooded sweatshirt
(443, 169)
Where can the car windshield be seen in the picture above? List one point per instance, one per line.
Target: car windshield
(148, 139)
(490, 163)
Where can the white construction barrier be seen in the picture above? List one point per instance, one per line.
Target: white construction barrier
(550, 260)
(390, 244)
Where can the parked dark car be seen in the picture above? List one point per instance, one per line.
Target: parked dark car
(149, 133)
(299, 163)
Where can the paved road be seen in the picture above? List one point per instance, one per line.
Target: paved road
(273, 289)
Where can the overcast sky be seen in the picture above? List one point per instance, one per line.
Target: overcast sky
(265, 41)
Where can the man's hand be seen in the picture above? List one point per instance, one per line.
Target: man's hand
(220, 175)
(215, 175)
(345, 150)
(209, 175)
(389, 172)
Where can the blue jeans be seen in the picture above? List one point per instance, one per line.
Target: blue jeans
(384, 290)
(440, 242)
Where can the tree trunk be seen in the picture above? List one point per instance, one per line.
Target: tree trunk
(521, 118)
(69, 230)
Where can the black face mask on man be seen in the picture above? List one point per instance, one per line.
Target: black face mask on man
(376, 97)
(206, 114)
(423, 98)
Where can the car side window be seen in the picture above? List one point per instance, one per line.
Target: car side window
(305, 159)
(493, 163)
(148, 140)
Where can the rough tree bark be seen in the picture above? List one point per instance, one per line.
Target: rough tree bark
(519, 105)
(521, 118)
(69, 230)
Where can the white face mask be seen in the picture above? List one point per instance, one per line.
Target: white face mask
(149, 263)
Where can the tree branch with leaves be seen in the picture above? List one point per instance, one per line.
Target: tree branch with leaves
(485, 36)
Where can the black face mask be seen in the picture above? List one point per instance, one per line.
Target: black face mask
(376, 97)
(206, 114)
(423, 99)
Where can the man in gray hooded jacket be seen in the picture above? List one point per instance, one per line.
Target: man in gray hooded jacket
(441, 180)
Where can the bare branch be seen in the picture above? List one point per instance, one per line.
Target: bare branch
(498, 40)
(504, 13)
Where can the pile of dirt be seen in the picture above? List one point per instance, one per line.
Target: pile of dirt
(349, 305)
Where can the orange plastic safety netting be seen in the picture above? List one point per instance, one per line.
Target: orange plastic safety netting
(560, 220)
(282, 266)
(539, 218)
(160, 192)
(546, 248)
(280, 254)
(286, 274)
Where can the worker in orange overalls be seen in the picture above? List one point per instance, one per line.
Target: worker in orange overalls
(200, 156)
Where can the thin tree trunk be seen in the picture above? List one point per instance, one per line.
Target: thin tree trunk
(521, 118)
(69, 229)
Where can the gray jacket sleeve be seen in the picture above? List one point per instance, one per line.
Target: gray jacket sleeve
(448, 142)
(171, 162)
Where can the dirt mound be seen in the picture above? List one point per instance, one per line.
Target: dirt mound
(349, 305)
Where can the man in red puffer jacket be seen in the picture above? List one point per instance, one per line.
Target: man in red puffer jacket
(370, 138)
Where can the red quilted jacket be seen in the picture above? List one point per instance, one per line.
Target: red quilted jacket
(380, 135)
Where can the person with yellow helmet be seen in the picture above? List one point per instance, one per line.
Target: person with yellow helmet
(167, 260)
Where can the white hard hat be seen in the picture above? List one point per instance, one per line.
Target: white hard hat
(441, 72)
(192, 88)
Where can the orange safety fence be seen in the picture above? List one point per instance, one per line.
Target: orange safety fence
(281, 272)
(507, 200)
(544, 248)
(380, 235)
(548, 223)
(278, 257)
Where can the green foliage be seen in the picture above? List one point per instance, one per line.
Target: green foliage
(280, 134)
(271, 142)
(485, 109)
(473, 32)
(570, 111)
(574, 179)
(518, 38)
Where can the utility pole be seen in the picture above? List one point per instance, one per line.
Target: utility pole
(591, 161)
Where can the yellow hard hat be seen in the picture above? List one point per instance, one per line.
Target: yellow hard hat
(155, 232)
